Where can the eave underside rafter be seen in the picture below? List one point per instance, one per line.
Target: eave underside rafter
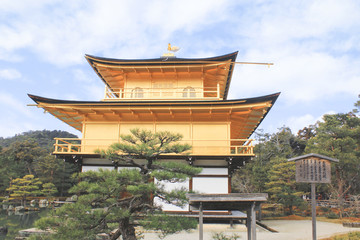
(212, 74)
(244, 118)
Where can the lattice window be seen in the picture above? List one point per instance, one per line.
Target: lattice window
(137, 93)
(189, 92)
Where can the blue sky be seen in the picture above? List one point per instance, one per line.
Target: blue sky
(314, 45)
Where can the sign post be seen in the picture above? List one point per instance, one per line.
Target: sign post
(313, 210)
(313, 168)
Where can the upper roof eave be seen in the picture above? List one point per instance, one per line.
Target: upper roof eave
(161, 60)
(38, 100)
(164, 61)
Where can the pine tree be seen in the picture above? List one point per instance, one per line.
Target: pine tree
(357, 106)
(282, 144)
(29, 153)
(338, 137)
(26, 152)
(116, 199)
(24, 187)
(54, 170)
(282, 185)
(48, 189)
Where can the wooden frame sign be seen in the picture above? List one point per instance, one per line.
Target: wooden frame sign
(313, 168)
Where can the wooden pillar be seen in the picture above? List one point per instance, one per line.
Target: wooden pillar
(201, 220)
(253, 221)
(313, 210)
(259, 217)
(248, 223)
(231, 223)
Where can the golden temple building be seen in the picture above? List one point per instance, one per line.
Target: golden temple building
(180, 95)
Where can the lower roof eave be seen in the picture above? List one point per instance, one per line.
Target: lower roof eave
(272, 98)
(235, 157)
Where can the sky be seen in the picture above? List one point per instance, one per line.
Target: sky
(314, 45)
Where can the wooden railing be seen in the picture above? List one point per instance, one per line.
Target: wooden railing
(199, 147)
(67, 145)
(187, 93)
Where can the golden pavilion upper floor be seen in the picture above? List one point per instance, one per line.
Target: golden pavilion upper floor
(213, 128)
(177, 79)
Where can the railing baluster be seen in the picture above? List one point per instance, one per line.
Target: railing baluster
(200, 146)
(56, 144)
(161, 93)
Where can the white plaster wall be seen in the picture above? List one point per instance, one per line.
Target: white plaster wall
(94, 168)
(171, 186)
(210, 184)
(214, 171)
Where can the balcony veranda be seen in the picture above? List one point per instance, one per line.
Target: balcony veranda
(171, 93)
(229, 147)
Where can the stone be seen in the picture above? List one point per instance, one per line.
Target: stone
(43, 203)
(33, 203)
(74, 198)
(3, 230)
(102, 236)
(32, 231)
(19, 208)
(352, 224)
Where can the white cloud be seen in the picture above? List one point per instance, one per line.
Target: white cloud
(10, 104)
(297, 123)
(69, 30)
(12, 127)
(94, 92)
(89, 84)
(81, 76)
(301, 77)
(16, 116)
(277, 23)
(314, 44)
(9, 74)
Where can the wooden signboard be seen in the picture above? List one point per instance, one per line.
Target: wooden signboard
(313, 170)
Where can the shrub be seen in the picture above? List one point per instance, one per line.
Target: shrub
(332, 215)
(349, 236)
(324, 209)
(222, 236)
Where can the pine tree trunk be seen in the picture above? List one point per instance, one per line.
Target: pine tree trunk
(115, 235)
(28, 166)
(340, 192)
(291, 209)
(127, 230)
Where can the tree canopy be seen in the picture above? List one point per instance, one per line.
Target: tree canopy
(282, 186)
(112, 200)
(270, 172)
(337, 136)
(24, 187)
(29, 154)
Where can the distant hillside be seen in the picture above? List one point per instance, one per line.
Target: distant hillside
(44, 138)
